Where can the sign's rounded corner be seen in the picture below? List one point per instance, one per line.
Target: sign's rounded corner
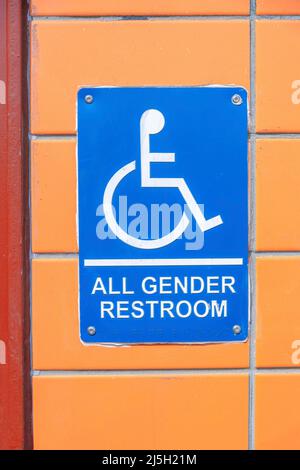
(243, 90)
(119, 268)
(84, 341)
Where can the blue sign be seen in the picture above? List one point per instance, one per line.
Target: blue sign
(163, 214)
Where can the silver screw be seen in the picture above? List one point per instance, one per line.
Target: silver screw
(88, 99)
(237, 100)
(236, 329)
(91, 330)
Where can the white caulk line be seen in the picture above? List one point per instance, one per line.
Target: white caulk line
(165, 262)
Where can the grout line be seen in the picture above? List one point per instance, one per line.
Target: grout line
(260, 135)
(252, 236)
(54, 255)
(254, 135)
(252, 354)
(163, 372)
(277, 17)
(277, 370)
(165, 18)
(53, 136)
(142, 18)
(276, 254)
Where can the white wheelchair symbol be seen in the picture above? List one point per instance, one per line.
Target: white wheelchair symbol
(152, 122)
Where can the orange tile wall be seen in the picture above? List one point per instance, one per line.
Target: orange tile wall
(244, 395)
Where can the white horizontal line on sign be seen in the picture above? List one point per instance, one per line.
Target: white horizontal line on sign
(165, 262)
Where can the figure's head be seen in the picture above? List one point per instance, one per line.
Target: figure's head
(152, 121)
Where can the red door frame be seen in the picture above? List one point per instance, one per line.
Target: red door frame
(14, 331)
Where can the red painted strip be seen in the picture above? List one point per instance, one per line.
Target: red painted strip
(12, 210)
